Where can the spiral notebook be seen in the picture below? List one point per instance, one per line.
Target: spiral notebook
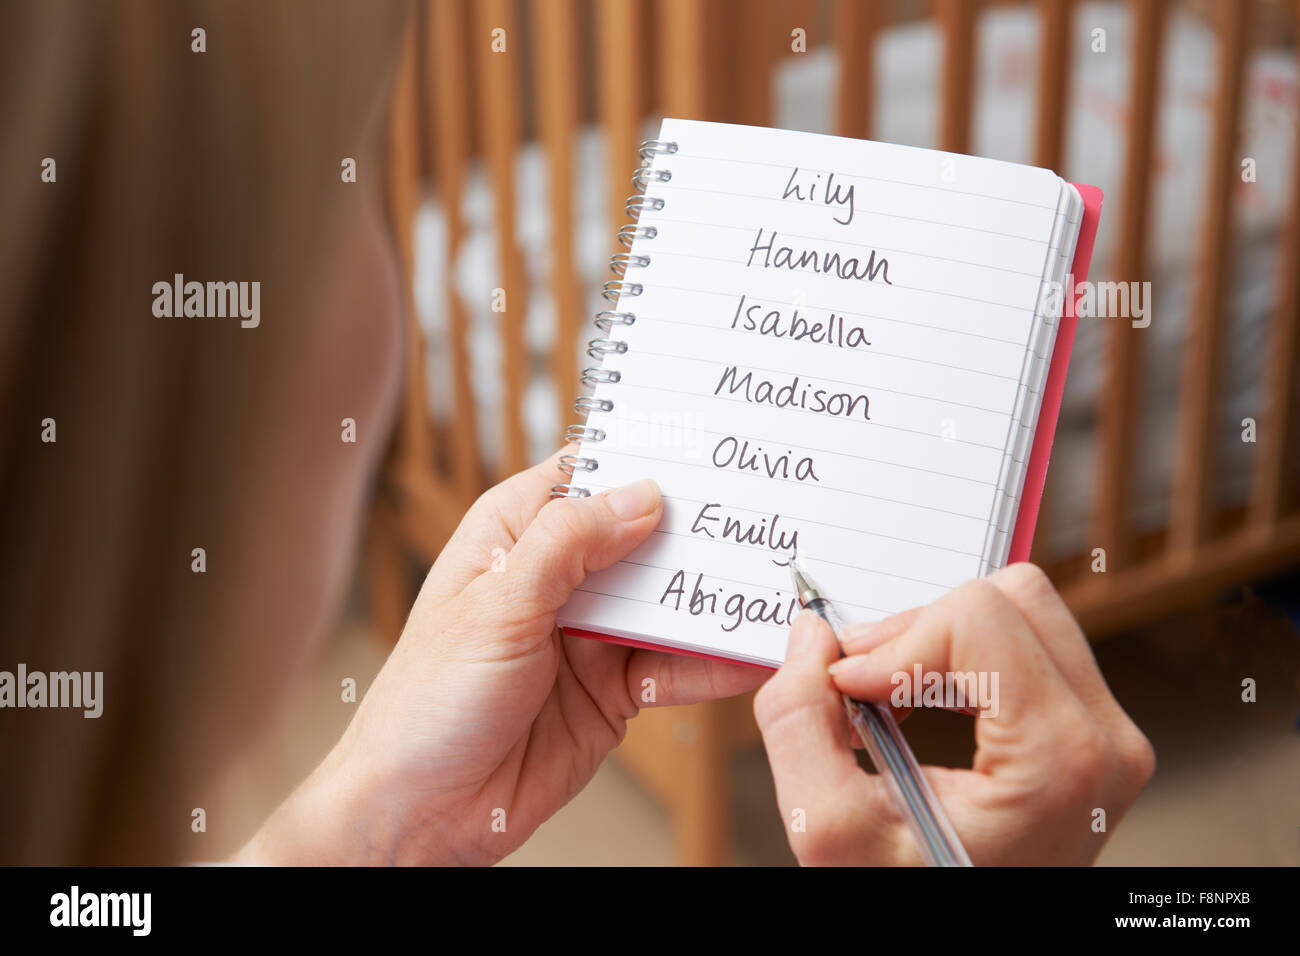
(852, 348)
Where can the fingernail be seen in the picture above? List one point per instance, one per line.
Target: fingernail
(855, 667)
(857, 639)
(634, 501)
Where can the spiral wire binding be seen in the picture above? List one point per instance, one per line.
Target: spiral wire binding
(606, 319)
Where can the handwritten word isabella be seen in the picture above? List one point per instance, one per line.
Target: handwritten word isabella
(835, 331)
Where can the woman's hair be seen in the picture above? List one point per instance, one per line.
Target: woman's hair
(130, 439)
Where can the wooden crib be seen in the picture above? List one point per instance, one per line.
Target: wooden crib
(618, 62)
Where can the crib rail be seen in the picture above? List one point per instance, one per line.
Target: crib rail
(619, 62)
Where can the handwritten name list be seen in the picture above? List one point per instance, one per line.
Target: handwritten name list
(833, 350)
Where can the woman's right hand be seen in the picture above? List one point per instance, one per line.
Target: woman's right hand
(1058, 750)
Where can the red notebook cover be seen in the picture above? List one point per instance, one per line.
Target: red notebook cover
(1039, 454)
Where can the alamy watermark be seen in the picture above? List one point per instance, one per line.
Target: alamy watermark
(75, 908)
(213, 300)
(1102, 300)
(968, 690)
(37, 689)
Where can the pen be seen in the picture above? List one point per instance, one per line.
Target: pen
(875, 724)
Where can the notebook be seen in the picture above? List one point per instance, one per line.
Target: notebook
(851, 348)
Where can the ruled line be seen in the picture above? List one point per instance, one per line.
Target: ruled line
(707, 647)
(864, 178)
(624, 383)
(674, 187)
(845, 242)
(824, 451)
(836, 381)
(748, 546)
(838, 311)
(870, 350)
(717, 577)
(813, 272)
(599, 486)
(793, 481)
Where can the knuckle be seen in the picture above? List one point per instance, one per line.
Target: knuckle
(567, 519)
(1137, 756)
(835, 836)
(1025, 578)
(485, 502)
(1092, 751)
(819, 846)
(979, 598)
(774, 700)
(1090, 758)
(1076, 768)
(665, 684)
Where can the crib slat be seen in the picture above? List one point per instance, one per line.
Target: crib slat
(855, 27)
(682, 27)
(448, 145)
(1200, 399)
(1053, 75)
(413, 444)
(957, 89)
(1269, 494)
(556, 22)
(620, 69)
(1117, 401)
(759, 34)
(498, 76)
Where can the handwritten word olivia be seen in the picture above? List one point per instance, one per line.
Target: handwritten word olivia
(831, 195)
(812, 260)
(731, 452)
(834, 331)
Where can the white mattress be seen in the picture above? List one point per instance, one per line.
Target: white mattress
(907, 66)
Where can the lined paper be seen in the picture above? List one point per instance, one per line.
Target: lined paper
(838, 345)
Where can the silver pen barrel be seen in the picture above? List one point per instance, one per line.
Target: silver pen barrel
(884, 741)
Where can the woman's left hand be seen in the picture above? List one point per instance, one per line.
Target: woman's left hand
(486, 719)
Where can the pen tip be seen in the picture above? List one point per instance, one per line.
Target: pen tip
(804, 588)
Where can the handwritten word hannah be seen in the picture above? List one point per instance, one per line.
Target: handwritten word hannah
(812, 260)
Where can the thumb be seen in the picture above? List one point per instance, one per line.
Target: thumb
(570, 538)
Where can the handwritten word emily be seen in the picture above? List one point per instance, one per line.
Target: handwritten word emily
(759, 533)
(812, 260)
(831, 195)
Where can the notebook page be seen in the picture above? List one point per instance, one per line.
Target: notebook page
(829, 344)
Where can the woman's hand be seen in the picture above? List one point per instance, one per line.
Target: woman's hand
(486, 719)
(1058, 749)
